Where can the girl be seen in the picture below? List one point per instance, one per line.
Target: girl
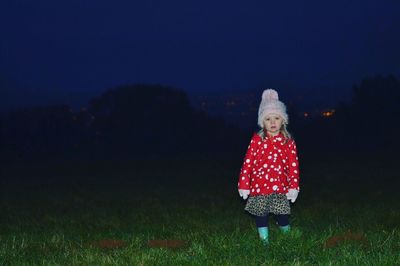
(270, 171)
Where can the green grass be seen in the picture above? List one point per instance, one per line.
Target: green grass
(44, 222)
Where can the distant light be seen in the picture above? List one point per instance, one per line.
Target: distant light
(328, 113)
(306, 114)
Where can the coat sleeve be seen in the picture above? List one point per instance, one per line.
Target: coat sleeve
(294, 175)
(245, 171)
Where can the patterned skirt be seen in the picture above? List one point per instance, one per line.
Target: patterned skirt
(261, 205)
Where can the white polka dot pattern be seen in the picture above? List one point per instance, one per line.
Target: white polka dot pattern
(270, 165)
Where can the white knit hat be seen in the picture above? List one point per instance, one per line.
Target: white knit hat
(270, 104)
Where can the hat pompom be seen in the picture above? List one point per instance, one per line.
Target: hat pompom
(270, 94)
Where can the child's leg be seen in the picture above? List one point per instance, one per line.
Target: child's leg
(262, 227)
(283, 222)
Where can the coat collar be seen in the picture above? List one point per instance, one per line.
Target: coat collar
(278, 138)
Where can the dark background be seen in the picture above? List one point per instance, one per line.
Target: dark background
(147, 121)
(68, 52)
(97, 80)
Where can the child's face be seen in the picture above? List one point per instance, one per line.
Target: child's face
(273, 124)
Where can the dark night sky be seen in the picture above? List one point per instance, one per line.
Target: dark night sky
(54, 51)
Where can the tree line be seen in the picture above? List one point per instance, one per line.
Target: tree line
(369, 123)
(128, 121)
(154, 120)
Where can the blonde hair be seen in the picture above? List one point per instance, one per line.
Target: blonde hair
(283, 130)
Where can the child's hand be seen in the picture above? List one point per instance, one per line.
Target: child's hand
(244, 193)
(292, 194)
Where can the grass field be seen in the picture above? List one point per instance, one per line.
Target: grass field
(187, 212)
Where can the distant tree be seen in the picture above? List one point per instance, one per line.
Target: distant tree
(129, 121)
(375, 111)
(40, 131)
(367, 123)
(141, 118)
(154, 119)
(378, 96)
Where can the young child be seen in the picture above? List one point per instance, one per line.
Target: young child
(269, 177)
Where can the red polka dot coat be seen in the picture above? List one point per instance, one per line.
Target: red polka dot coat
(270, 166)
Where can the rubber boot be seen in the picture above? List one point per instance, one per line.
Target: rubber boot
(263, 233)
(284, 229)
